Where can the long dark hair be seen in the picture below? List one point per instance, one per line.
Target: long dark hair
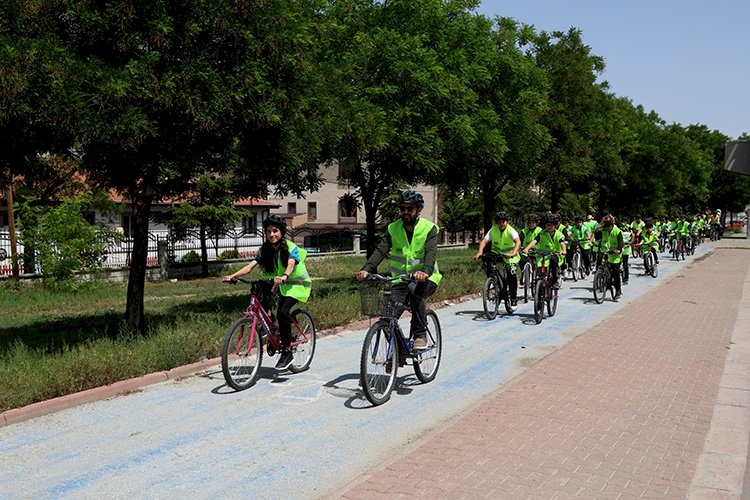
(267, 252)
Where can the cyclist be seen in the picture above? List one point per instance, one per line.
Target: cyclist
(627, 249)
(650, 242)
(284, 262)
(636, 228)
(411, 242)
(581, 236)
(505, 242)
(528, 234)
(552, 240)
(610, 238)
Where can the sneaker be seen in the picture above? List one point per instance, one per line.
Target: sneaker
(513, 305)
(420, 343)
(556, 285)
(286, 358)
(624, 282)
(617, 296)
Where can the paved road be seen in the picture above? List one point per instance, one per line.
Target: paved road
(304, 435)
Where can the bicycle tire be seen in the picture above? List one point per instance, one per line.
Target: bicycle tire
(427, 361)
(303, 353)
(654, 269)
(526, 282)
(240, 362)
(539, 301)
(552, 302)
(490, 298)
(378, 367)
(600, 285)
(576, 265)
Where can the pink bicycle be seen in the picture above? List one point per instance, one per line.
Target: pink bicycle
(242, 351)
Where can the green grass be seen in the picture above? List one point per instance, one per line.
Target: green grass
(54, 343)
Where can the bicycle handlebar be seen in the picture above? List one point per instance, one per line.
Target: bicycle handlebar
(234, 281)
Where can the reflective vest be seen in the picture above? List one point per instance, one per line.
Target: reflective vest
(298, 284)
(649, 240)
(609, 242)
(551, 243)
(626, 248)
(502, 243)
(407, 258)
(529, 236)
(579, 234)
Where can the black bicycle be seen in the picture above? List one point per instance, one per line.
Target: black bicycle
(546, 292)
(603, 279)
(496, 287)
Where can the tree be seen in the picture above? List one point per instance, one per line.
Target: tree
(176, 89)
(505, 137)
(392, 98)
(209, 206)
(571, 118)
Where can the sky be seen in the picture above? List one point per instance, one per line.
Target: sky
(687, 60)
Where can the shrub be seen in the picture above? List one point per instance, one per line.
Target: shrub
(229, 254)
(190, 258)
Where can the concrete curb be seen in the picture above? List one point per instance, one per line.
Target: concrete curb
(123, 387)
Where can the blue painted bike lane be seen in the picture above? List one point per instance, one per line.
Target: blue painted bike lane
(293, 436)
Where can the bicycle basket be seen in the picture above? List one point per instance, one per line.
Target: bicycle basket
(375, 298)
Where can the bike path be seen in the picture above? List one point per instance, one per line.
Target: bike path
(654, 402)
(301, 435)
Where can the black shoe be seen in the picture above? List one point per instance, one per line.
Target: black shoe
(617, 296)
(286, 358)
(624, 282)
(513, 305)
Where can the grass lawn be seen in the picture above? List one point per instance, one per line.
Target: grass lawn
(54, 343)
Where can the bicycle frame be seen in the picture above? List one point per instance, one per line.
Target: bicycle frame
(268, 328)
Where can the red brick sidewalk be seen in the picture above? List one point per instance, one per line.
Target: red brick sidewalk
(624, 410)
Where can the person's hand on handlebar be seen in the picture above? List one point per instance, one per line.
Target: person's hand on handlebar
(361, 275)
(420, 277)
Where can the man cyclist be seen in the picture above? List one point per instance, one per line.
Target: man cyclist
(650, 242)
(552, 240)
(528, 234)
(505, 242)
(411, 242)
(581, 236)
(610, 240)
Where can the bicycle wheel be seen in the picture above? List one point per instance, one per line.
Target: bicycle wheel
(526, 282)
(241, 355)
(539, 300)
(577, 267)
(600, 285)
(304, 351)
(654, 269)
(427, 361)
(552, 302)
(490, 298)
(378, 364)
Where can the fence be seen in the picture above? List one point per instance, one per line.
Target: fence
(246, 243)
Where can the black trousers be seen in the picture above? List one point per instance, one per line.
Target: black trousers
(418, 303)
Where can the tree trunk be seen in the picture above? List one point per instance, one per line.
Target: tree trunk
(204, 252)
(134, 310)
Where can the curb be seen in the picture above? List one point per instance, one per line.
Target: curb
(123, 387)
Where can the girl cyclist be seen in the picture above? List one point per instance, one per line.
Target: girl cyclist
(284, 262)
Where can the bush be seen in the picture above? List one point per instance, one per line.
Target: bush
(229, 254)
(190, 258)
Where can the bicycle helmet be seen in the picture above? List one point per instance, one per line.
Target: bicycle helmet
(533, 218)
(501, 216)
(608, 220)
(579, 218)
(275, 220)
(553, 218)
(411, 196)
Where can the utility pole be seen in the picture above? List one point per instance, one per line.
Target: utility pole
(12, 230)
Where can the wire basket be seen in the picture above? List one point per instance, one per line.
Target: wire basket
(375, 297)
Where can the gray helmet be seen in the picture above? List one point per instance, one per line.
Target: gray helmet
(411, 196)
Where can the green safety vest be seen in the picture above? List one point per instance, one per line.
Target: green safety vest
(609, 241)
(649, 240)
(579, 234)
(528, 235)
(503, 243)
(626, 248)
(551, 243)
(407, 258)
(298, 284)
